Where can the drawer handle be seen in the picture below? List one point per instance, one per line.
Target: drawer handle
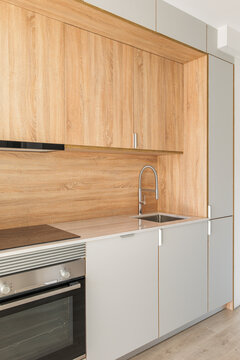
(127, 235)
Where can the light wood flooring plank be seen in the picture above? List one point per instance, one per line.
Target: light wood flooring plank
(217, 338)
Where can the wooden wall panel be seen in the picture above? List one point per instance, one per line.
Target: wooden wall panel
(99, 90)
(172, 106)
(32, 76)
(100, 22)
(158, 102)
(183, 177)
(37, 188)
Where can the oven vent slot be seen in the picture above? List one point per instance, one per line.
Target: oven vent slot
(40, 258)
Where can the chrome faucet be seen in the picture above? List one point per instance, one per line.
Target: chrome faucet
(140, 190)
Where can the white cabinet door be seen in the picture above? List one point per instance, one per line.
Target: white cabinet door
(220, 137)
(141, 12)
(181, 26)
(121, 294)
(182, 276)
(220, 263)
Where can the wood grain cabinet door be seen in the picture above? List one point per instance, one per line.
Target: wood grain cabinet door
(158, 102)
(31, 75)
(99, 90)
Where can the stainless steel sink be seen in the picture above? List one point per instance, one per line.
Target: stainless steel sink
(159, 218)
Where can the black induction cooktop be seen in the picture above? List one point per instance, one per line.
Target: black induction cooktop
(32, 235)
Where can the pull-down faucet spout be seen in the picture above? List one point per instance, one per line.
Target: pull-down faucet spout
(140, 190)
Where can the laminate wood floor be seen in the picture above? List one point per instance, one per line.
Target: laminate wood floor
(217, 338)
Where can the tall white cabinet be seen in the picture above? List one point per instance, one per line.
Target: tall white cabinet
(121, 294)
(220, 181)
(141, 12)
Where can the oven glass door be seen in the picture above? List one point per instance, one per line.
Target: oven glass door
(49, 325)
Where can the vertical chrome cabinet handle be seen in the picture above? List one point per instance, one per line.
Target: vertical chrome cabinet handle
(209, 228)
(160, 237)
(135, 141)
(209, 211)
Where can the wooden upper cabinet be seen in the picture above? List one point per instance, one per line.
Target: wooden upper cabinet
(114, 90)
(99, 90)
(32, 76)
(158, 102)
(62, 84)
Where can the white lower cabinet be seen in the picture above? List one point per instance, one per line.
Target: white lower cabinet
(121, 294)
(182, 276)
(220, 262)
(145, 285)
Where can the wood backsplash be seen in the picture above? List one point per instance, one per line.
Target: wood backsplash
(183, 178)
(38, 188)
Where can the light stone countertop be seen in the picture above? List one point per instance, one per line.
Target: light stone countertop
(94, 229)
(101, 228)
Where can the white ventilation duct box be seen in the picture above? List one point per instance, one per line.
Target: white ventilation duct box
(229, 40)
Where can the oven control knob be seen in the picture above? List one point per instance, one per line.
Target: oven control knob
(5, 289)
(65, 274)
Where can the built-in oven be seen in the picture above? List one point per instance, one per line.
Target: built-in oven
(42, 313)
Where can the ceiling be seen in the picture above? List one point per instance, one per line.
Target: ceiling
(214, 12)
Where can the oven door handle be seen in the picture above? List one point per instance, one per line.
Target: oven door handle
(39, 297)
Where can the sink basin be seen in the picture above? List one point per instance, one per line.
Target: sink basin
(159, 218)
